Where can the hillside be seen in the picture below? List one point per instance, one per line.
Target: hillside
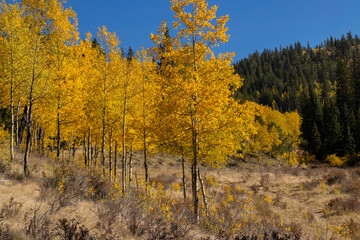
(321, 83)
(249, 200)
(281, 77)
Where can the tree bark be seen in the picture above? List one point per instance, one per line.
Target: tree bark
(144, 134)
(29, 134)
(123, 180)
(194, 169)
(103, 143)
(183, 174)
(130, 165)
(115, 161)
(203, 191)
(12, 106)
(89, 149)
(17, 124)
(104, 116)
(85, 150)
(29, 119)
(41, 139)
(69, 142)
(145, 160)
(195, 139)
(110, 154)
(58, 135)
(23, 124)
(35, 137)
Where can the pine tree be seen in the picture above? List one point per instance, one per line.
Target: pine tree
(331, 131)
(356, 75)
(344, 87)
(347, 125)
(312, 123)
(315, 142)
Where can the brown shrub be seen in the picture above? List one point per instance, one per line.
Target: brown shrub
(334, 176)
(165, 179)
(4, 167)
(245, 177)
(310, 185)
(11, 208)
(263, 209)
(107, 213)
(100, 186)
(310, 217)
(5, 233)
(71, 229)
(351, 186)
(294, 171)
(354, 228)
(265, 180)
(254, 188)
(340, 204)
(38, 225)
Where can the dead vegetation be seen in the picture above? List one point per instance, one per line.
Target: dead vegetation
(259, 202)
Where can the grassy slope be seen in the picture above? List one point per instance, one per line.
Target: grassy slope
(298, 195)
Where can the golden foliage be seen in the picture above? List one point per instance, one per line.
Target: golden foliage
(276, 134)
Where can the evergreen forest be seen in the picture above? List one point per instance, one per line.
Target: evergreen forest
(321, 83)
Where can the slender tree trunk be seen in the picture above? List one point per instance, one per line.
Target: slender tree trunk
(194, 172)
(89, 149)
(110, 154)
(69, 148)
(115, 161)
(145, 160)
(124, 146)
(136, 181)
(103, 143)
(195, 140)
(29, 119)
(12, 107)
(104, 119)
(144, 135)
(130, 165)
(17, 124)
(92, 151)
(12, 125)
(29, 134)
(35, 137)
(74, 149)
(96, 152)
(183, 174)
(203, 191)
(58, 135)
(127, 164)
(41, 140)
(85, 150)
(23, 123)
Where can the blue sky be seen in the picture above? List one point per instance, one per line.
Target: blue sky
(254, 24)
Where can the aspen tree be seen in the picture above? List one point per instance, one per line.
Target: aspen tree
(129, 77)
(196, 93)
(87, 75)
(64, 34)
(148, 92)
(110, 47)
(12, 22)
(37, 23)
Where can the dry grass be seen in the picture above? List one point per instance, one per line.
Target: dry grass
(307, 201)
